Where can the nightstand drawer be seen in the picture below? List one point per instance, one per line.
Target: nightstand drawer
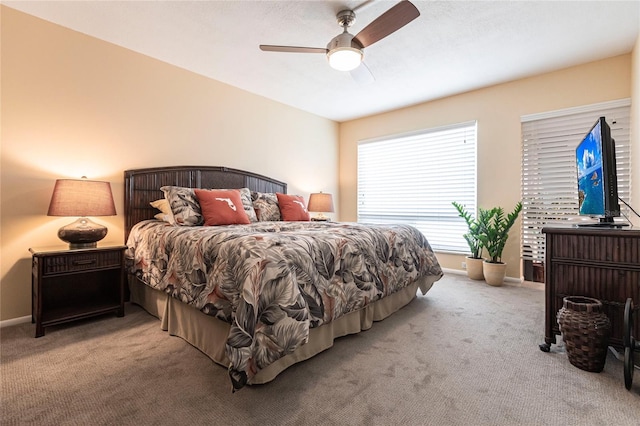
(80, 262)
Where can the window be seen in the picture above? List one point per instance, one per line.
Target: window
(549, 187)
(413, 178)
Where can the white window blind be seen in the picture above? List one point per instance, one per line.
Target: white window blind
(413, 178)
(549, 176)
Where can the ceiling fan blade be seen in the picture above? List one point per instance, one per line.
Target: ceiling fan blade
(362, 74)
(390, 21)
(292, 49)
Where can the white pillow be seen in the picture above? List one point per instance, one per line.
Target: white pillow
(166, 214)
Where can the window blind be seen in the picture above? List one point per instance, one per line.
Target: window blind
(413, 178)
(549, 176)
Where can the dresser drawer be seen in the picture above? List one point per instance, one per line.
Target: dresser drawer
(59, 264)
(622, 251)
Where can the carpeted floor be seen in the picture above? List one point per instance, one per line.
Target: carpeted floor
(464, 354)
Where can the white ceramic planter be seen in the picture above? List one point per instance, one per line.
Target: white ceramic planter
(494, 273)
(474, 268)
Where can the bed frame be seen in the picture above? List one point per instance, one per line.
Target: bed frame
(208, 333)
(142, 186)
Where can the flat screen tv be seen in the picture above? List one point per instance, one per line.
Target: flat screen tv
(597, 178)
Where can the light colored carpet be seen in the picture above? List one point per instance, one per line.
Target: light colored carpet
(464, 354)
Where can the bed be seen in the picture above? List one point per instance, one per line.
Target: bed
(258, 297)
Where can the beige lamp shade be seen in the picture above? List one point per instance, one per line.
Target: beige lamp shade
(82, 197)
(321, 203)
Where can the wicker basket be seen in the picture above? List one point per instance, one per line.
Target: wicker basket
(585, 331)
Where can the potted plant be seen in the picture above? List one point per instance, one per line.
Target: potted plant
(473, 262)
(494, 232)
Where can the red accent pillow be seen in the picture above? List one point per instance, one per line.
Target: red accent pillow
(292, 207)
(221, 207)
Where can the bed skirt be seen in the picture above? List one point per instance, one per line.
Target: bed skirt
(209, 334)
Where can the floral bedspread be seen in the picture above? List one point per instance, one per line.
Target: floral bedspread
(273, 281)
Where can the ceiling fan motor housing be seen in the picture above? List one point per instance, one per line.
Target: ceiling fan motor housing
(344, 40)
(343, 53)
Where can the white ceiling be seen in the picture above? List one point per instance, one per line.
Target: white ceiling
(453, 47)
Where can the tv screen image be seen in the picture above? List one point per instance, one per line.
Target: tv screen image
(591, 189)
(597, 177)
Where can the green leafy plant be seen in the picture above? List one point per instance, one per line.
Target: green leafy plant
(494, 230)
(472, 236)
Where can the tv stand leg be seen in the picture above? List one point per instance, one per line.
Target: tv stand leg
(548, 341)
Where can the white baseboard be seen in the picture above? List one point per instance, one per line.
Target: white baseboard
(463, 272)
(15, 321)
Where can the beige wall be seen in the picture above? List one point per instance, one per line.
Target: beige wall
(635, 130)
(497, 110)
(73, 105)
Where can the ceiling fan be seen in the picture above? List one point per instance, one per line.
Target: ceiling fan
(345, 51)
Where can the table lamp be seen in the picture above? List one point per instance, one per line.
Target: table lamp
(321, 203)
(82, 197)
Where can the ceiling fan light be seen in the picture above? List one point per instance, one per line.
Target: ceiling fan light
(344, 58)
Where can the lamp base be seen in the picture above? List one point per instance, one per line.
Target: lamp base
(320, 218)
(83, 233)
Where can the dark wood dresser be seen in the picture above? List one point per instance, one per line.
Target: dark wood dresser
(603, 263)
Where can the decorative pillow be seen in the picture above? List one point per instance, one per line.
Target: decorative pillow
(247, 204)
(265, 205)
(221, 207)
(292, 207)
(165, 214)
(184, 205)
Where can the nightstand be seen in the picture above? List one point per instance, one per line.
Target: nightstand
(68, 285)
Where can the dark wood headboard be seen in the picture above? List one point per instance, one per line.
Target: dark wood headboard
(142, 186)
